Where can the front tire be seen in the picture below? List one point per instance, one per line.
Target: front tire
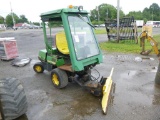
(13, 102)
(59, 78)
(38, 67)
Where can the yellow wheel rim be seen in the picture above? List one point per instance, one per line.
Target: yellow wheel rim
(38, 68)
(55, 79)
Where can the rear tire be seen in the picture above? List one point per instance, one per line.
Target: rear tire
(59, 78)
(38, 67)
(13, 102)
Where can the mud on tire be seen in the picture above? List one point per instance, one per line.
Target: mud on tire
(13, 102)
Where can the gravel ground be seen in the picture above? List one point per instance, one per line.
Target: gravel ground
(136, 96)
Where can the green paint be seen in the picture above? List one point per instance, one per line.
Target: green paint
(42, 54)
(60, 62)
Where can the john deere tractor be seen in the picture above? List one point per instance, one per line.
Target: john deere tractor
(71, 53)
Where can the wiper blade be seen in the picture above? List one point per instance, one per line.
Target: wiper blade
(86, 21)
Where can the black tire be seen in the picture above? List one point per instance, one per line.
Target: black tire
(13, 102)
(62, 78)
(38, 67)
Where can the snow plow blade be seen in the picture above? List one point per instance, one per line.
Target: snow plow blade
(107, 90)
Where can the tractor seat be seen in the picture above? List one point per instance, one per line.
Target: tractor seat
(61, 43)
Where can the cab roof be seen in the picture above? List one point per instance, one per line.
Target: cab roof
(57, 13)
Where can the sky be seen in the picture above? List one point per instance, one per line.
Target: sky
(33, 8)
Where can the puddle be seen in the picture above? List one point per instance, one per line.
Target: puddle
(124, 58)
(85, 105)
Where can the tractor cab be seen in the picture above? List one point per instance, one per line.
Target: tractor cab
(75, 46)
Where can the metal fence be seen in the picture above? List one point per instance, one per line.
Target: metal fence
(127, 29)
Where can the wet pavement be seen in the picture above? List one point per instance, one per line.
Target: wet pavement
(136, 96)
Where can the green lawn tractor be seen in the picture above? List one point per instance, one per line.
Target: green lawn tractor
(71, 53)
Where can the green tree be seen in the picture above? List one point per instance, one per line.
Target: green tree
(52, 24)
(137, 15)
(106, 11)
(155, 11)
(121, 14)
(22, 19)
(106, 8)
(152, 13)
(93, 14)
(1, 20)
(146, 14)
(9, 20)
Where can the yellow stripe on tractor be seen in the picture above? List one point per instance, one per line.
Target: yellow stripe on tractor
(107, 88)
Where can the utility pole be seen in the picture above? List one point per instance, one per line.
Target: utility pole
(98, 15)
(118, 2)
(152, 13)
(12, 16)
(107, 13)
(5, 24)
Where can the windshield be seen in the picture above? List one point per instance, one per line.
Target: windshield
(83, 39)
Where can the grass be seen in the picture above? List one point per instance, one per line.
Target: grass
(127, 46)
(139, 29)
(103, 30)
(100, 31)
(1, 30)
